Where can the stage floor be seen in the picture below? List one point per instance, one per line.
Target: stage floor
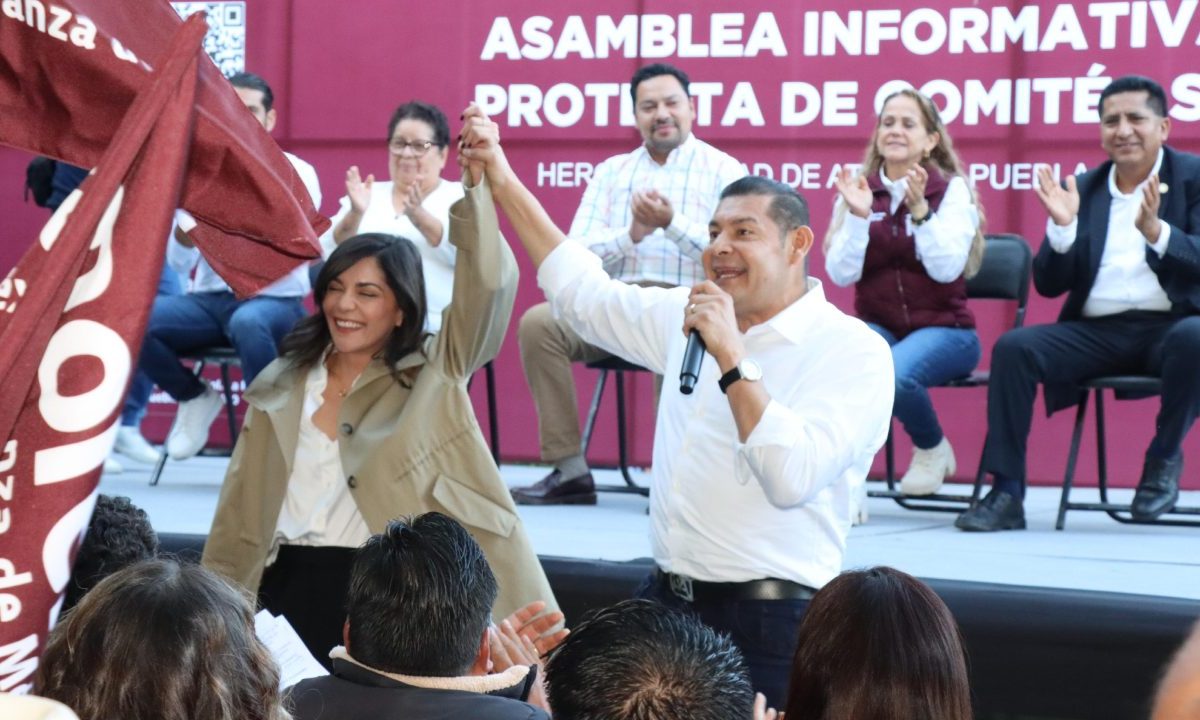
(1093, 553)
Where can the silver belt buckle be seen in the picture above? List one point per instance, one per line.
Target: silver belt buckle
(682, 586)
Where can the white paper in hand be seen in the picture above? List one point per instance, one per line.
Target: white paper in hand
(295, 662)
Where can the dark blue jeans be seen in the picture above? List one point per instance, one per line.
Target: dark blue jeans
(764, 630)
(195, 321)
(141, 386)
(926, 358)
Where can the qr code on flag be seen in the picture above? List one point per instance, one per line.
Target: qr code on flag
(225, 42)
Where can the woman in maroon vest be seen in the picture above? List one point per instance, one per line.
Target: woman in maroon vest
(906, 231)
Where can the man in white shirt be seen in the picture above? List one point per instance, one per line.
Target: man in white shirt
(645, 214)
(751, 487)
(1123, 241)
(210, 315)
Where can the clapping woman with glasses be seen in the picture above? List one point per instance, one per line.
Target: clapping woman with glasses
(415, 204)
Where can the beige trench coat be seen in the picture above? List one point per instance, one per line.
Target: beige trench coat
(404, 451)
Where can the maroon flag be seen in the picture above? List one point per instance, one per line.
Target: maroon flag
(69, 70)
(72, 314)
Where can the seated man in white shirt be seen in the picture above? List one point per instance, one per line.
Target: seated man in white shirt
(1123, 240)
(753, 475)
(210, 315)
(645, 213)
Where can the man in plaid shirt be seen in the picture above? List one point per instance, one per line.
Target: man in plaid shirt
(646, 214)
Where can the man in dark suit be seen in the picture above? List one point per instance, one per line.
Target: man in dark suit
(1123, 241)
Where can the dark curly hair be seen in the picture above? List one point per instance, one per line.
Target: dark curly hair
(118, 535)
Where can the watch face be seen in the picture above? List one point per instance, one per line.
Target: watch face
(750, 370)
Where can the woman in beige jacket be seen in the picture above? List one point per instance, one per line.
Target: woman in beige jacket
(364, 418)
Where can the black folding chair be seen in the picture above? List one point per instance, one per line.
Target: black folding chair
(226, 357)
(1121, 386)
(618, 368)
(1004, 275)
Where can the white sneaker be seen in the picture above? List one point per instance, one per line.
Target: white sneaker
(112, 467)
(190, 431)
(132, 445)
(929, 469)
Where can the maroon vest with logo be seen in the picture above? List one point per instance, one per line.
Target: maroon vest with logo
(895, 291)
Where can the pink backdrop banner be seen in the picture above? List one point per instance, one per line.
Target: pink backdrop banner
(788, 88)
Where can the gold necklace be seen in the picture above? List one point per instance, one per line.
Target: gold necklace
(341, 391)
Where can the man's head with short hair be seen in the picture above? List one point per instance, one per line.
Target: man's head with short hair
(640, 659)
(1178, 695)
(662, 108)
(759, 240)
(256, 95)
(118, 535)
(1133, 125)
(420, 598)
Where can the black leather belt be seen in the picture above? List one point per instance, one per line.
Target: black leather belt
(701, 591)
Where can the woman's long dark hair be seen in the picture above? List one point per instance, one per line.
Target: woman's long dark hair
(163, 640)
(878, 644)
(400, 261)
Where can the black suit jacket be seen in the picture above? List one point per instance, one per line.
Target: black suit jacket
(1074, 272)
(1178, 270)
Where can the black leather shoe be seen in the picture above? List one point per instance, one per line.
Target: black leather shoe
(553, 490)
(1158, 490)
(997, 511)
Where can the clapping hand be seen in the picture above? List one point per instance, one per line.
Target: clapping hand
(1061, 203)
(855, 192)
(412, 201)
(762, 712)
(1147, 221)
(358, 190)
(524, 638)
(652, 209)
(914, 193)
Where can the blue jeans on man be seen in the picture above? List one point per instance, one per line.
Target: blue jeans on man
(926, 358)
(195, 321)
(141, 387)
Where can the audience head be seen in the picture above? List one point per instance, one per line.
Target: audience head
(161, 640)
(640, 659)
(420, 599)
(1133, 123)
(373, 286)
(418, 141)
(662, 107)
(758, 249)
(1178, 696)
(118, 535)
(878, 644)
(256, 95)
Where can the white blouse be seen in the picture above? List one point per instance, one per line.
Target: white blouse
(943, 243)
(318, 509)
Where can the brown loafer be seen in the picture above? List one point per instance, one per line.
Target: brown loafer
(553, 490)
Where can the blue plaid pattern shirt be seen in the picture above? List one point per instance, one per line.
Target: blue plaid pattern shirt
(692, 179)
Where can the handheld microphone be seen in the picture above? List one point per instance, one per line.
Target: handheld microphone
(693, 355)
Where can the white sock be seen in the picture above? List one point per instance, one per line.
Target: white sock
(572, 467)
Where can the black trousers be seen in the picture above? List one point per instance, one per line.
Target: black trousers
(765, 631)
(307, 585)
(1136, 342)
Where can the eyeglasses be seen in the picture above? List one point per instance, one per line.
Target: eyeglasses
(397, 147)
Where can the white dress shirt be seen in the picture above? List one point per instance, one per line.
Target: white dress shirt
(778, 505)
(437, 262)
(183, 259)
(692, 179)
(318, 510)
(1124, 280)
(943, 242)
